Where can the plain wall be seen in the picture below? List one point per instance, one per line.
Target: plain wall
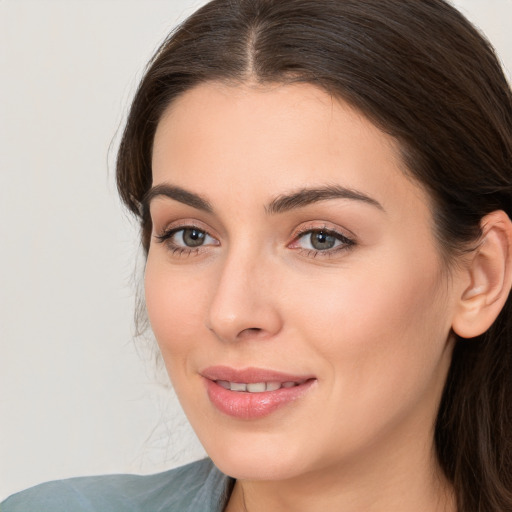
(76, 396)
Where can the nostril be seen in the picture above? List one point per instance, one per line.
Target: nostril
(250, 331)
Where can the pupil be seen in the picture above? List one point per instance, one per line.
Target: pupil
(322, 241)
(193, 237)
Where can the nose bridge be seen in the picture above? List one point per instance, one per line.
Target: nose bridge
(242, 302)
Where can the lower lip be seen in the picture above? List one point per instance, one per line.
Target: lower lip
(248, 406)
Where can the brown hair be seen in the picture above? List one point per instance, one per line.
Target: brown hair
(422, 73)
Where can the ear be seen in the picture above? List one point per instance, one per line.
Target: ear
(487, 278)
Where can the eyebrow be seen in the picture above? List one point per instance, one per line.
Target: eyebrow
(307, 196)
(280, 204)
(178, 194)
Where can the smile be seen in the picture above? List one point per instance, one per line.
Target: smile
(253, 393)
(256, 387)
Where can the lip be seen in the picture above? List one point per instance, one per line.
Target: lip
(250, 375)
(244, 405)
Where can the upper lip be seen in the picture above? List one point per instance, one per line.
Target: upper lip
(250, 375)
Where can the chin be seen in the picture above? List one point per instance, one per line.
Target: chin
(253, 460)
(255, 468)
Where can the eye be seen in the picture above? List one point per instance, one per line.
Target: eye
(186, 238)
(321, 240)
(191, 237)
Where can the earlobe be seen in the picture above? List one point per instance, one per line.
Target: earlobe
(488, 278)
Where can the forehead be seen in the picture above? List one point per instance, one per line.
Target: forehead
(265, 139)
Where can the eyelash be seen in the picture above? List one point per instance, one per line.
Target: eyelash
(345, 243)
(166, 238)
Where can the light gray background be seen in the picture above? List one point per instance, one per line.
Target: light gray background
(76, 396)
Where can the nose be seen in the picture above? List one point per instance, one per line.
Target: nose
(244, 304)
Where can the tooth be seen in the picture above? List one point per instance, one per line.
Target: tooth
(224, 384)
(288, 384)
(256, 387)
(273, 386)
(238, 386)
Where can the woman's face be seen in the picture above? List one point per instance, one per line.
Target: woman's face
(294, 263)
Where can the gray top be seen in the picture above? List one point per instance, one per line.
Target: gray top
(196, 487)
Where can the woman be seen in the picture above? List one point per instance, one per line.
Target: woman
(324, 191)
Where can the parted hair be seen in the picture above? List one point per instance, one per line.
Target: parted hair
(421, 73)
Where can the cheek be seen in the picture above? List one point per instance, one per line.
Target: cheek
(381, 330)
(174, 306)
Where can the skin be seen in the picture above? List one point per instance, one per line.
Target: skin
(370, 319)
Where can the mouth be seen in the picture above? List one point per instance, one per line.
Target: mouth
(257, 387)
(253, 393)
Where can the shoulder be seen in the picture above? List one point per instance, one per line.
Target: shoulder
(196, 487)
